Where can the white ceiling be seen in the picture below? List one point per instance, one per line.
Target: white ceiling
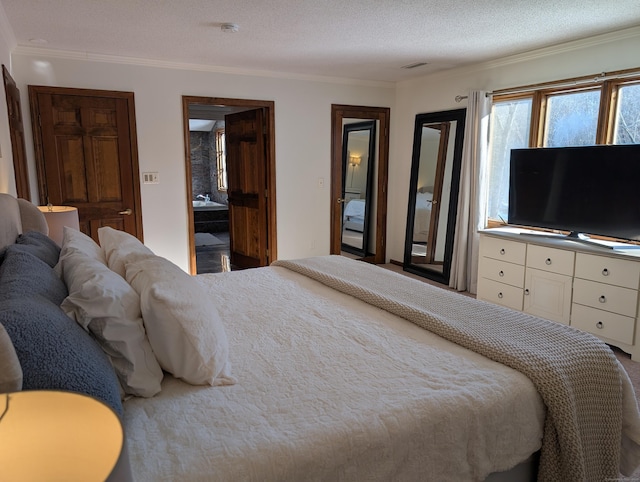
(357, 39)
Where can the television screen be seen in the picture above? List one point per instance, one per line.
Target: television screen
(590, 190)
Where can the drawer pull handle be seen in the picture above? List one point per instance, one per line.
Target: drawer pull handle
(600, 325)
(605, 272)
(501, 273)
(547, 261)
(500, 295)
(602, 299)
(526, 292)
(502, 251)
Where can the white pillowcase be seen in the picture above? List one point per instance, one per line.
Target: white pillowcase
(103, 303)
(182, 323)
(119, 247)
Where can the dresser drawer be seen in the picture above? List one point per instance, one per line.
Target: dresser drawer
(502, 272)
(605, 297)
(619, 272)
(500, 293)
(602, 323)
(550, 259)
(502, 249)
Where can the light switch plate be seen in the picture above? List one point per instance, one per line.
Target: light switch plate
(150, 178)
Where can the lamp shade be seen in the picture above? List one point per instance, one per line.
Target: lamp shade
(355, 160)
(57, 218)
(54, 435)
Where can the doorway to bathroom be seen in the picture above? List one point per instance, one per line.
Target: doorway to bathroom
(230, 164)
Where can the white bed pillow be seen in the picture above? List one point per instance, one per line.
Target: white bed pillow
(104, 304)
(183, 325)
(119, 246)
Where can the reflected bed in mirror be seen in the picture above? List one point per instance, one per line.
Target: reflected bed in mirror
(433, 193)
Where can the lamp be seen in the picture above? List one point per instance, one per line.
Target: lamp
(54, 435)
(353, 162)
(57, 218)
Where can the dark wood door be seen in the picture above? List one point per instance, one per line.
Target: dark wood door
(16, 130)
(247, 190)
(434, 221)
(86, 154)
(382, 115)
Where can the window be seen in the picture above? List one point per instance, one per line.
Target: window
(221, 160)
(627, 115)
(510, 126)
(589, 111)
(572, 119)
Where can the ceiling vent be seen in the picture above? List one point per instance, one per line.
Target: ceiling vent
(414, 65)
(229, 27)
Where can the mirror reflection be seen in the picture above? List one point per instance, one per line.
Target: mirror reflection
(358, 160)
(433, 194)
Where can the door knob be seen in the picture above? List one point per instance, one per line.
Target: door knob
(126, 212)
(341, 200)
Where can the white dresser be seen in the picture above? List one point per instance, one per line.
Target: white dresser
(594, 289)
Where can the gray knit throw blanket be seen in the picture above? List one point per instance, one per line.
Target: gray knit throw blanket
(576, 374)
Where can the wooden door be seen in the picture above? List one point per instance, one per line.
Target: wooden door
(86, 154)
(436, 200)
(16, 130)
(247, 190)
(382, 115)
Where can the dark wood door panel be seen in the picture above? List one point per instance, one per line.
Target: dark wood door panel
(87, 155)
(246, 173)
(16, 132)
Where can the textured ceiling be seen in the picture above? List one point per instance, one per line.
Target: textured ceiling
(358, 39)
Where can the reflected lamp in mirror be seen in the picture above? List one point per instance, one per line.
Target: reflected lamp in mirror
(355, 160)
(55, 435)
(57, 218)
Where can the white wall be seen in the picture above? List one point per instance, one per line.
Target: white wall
(302, 112)
(7, 177)
(303, 139)
(605, 53)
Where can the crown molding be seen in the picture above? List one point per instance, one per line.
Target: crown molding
(532, 55)
(117, 59)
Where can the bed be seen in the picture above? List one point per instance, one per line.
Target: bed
(317, 369)
(353, 216)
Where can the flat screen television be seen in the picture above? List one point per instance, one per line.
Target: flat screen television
(583, 190)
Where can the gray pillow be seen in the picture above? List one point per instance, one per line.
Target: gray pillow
(23, 274)
(55, 353)
(39, 245)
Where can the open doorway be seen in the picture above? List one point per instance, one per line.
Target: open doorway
(231, 209)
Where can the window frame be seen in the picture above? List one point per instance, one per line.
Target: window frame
(221, 160)
(609, 86)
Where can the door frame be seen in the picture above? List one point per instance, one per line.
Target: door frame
(381, 114)
(270, 167)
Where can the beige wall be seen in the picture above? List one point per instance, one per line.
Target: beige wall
(303, 139)
(437, 92)
(302, 112)
(7, 179)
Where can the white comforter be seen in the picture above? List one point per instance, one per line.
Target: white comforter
(330, 388)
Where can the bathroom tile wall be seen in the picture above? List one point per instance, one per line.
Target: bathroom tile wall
(204, 172)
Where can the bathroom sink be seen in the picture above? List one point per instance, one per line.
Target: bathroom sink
(207, 204)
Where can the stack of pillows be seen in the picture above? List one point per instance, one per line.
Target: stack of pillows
(146, 313)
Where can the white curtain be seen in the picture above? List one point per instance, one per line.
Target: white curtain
(472, 194)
